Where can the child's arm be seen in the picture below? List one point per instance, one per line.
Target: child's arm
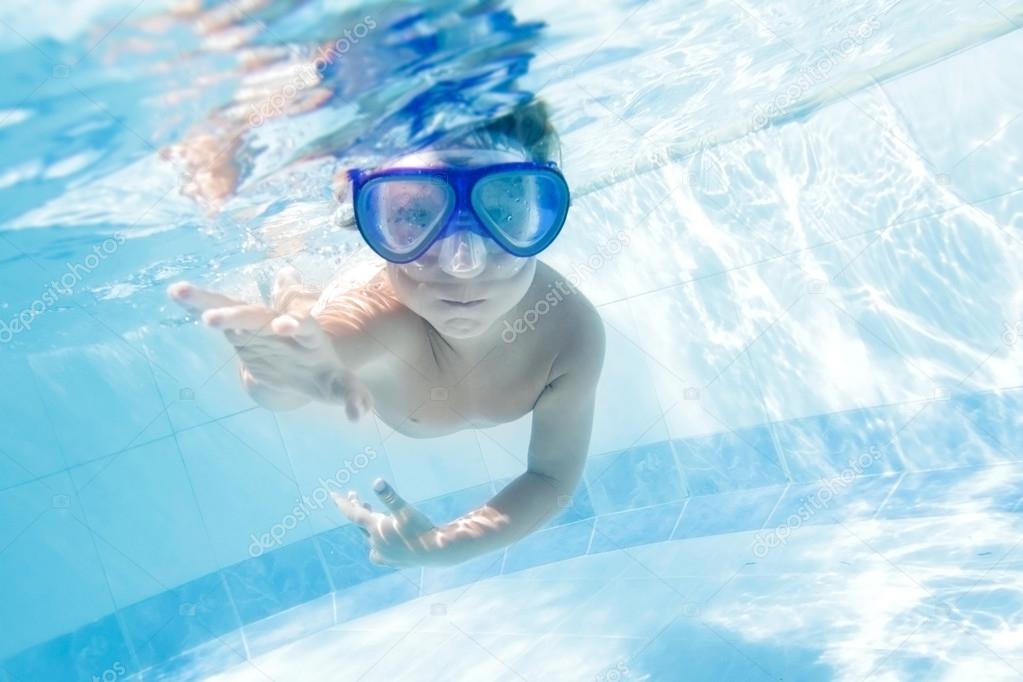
(562, 421)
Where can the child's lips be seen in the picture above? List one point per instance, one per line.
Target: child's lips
(463, 304)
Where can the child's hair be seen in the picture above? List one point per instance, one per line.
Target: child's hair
(528, 127)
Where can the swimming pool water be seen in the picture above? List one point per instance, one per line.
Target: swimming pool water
(800, 223)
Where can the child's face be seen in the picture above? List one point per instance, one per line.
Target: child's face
(464, 282)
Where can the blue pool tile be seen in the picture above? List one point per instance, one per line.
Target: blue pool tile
(51, 579)
(277, 580)
(376, 595)
(428, 468)
(638, 477)
(245, 486)
(345, 551)
(289, 625)
(196, 372)
(727, 512)
(548, 545)
(635, 527)
(96, 650)
(955, 491)
(997, 418)
(33, 451)
(200, 662)
(438, 579)
(833, 500)
(103, 397)
(181, 619)
(733, 460)
(626, 403)
(329, 453)
(149, 531)
(861, 441)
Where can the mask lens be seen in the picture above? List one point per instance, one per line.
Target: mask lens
(401, 214)
(524, 207)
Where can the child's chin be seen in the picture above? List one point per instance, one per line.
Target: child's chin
(462, 327)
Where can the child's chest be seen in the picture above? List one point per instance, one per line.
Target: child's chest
(426, 397)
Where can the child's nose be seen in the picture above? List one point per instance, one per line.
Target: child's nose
(463, 254)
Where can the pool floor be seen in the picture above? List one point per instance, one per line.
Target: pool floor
(938, 598)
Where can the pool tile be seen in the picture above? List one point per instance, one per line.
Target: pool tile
(34, 451)
(92, 651)
(702, 377)
(196, 371)
(376, 595)
(635, 527)
(426, 468)
(198, 663)
(245, 486)
(956, 491)
(862, 442)
(551, 544)
(438, 579)
(103, 397)
(289, 625)
(639, 477)
(345, 553)
(627, 411)
(51, 579)
(277, 580)
(731, 460)
(998, 419)
(178, 620)
(150, 533)
(727, 512)
(834, 500)
(329, 453)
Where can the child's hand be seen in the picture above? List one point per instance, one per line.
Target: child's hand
(405, 537)
(287, 359)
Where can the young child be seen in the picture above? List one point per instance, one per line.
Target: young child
(463, 328)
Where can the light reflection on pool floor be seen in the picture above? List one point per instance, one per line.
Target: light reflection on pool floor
(938, 598)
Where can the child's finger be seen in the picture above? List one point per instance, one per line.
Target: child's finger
(355, 513)
(253, 318)
(303, 331)
(285, 279)
(389, 496)
(192, 297)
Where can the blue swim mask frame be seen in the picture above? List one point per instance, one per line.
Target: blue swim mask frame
(402, 212)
